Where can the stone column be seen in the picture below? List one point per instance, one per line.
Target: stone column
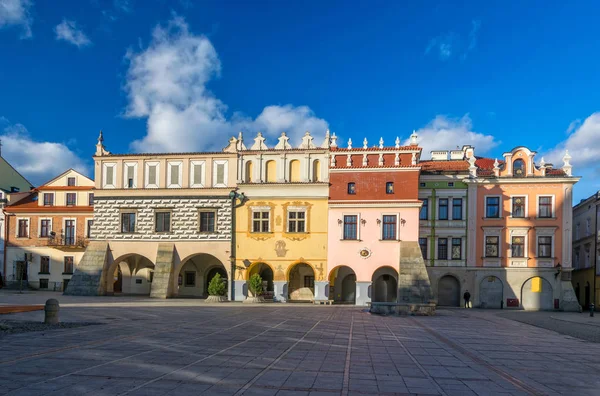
(241, 290)
(362, 293)
(321, 290)
(280, 291)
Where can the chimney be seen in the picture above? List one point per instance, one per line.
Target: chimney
(439, 155)
(457, 155)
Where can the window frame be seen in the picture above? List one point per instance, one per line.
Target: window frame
(357, 227)
(48, 228)
(351, 188)
(512, 206)
(170, 182)
(70, 194)
(296, 221)
(486, 244)
(185, 279)
(42, 268)
(425, 206)
(91, 199)
(18, 227)
(215, 164)
(550, 245)
(126, 166)
(389, 188)
(105, 167)
(88, 227)
(395, 226)
(261, 219)
(69, 181)
(310, 280)
(194, 163)
(440, 250)
(215, 223)
(64, 223)
(158, 212)
(524, 168)
(459, 206)
(147, 166)
(552, 206)
(51, 201)
(72, 264)
(513, 244)
(486, 205)
(453, 244)
(124, 212)
(426, 245)
(440, 208)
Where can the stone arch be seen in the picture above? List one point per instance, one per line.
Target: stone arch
(270, 171)
(491, 292)
(266, 273)
(193, 274)
(384, 285)
(132, 273)
(316, 176)
(301, 282)
(249, 172)
(342, 285)
(294, 171)
(537, 294)
(448, 292)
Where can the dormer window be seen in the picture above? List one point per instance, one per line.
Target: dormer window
(351, 188)
(70, 181)
(519, 168)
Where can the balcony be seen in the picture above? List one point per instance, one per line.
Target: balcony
(60, 241)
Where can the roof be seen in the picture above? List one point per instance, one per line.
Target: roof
(64, 188)
(444, 166)
(392, 149)
(415, 167)
(64, 173)
(486, 163)
(16, 171)
(194, 153)
(486, 168)
(30, 204)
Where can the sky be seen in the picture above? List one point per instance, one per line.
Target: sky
(184, 75)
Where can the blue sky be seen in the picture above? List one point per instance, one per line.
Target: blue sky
(160, 75)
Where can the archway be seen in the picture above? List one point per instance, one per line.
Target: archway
(537, 294)
(384, 286)
(449, 291)
(271, 171)
(266, 273)
(195, 273)
(491, 292)
(130, 274)
(294, 175)
(342, 285)
(316, 171)
(249, 172)
(301, 283)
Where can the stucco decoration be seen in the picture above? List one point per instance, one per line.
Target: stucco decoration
(364, 253)
(319, 269)
(279, 273)
(278, 220)
(280, 249)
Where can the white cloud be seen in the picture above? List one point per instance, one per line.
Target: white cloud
(583, 144)
(16, 13)
(166, 83)
(69, 32)
(443, 133)
(453, 44)
(37, 161)
(442, 45)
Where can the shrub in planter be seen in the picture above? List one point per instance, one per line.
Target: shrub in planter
(216, 289)
(255, 287)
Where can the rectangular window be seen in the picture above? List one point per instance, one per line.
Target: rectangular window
(518, 207)
(443, 209)
(88, 232)
(207, 221)
(152, 171)
(423, 246)
(70, 181)
(69, 232)
(44, 265)
(196, 174)
(350, 227)
(545, 246)
(389, 188)
(43, 283)
(457, 209)
(351, 188)
(389, 227)
(309, 281)
(23, 231)
(127, 222)
(297, 221)
(190, 279)
(220, 173)
(443, 249)
(71, 199)
(545, 205)
(68, 265)
(450, 184)
(129, 175)
(491, 246)
(45, 228)
(260, 221)
(110, 173)
(456, 248)
(162, 222)
(423, 214)
(492, 207)
(48, 199)
(91, 199)
(518, 246)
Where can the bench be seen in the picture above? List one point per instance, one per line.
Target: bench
(322, 302)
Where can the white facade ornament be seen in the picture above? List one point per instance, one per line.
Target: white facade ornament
(100, 149)
(414, 159)
(259, 143)
(496, 167)
(542, 163)
(240, 142)
(472, 167)
(397, 159)
(348, 160)
(333, 140)
(283, 142)
(413, 138)
(307, 141)
(365, 162)
(567, 167)
(380, 159)
(397, 142)
(381, 142)
(332, 162)
(350, 144)
(365, 143)
(326, 141)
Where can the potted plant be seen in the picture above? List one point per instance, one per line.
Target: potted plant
(256, 287)
(217, 289)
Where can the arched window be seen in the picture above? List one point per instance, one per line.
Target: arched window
(519, 168)
(294, 171)
(271, 172)
(249, 170)
(316, 171)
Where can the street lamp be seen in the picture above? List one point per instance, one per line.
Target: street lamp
(234, 196)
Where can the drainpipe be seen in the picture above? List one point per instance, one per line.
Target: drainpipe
(232, 257)
(466, 216)
(6, 223)
(433, 214)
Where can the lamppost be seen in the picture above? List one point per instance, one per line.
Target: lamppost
(234, 196)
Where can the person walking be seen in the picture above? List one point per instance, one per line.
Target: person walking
(467, 297)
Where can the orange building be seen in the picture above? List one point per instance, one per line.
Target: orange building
(47, 231)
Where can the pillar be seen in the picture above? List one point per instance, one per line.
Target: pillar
(362, 293)
(280, 291)
(321, 290)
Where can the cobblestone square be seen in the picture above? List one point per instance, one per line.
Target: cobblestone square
(181, 347)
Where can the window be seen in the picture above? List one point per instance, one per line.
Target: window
(220, 173)
(518, 246)
(456, 248)
(162, 222)
(71, 199)
(350, 227)
(43, 283)
(23, 230)
(174, 175)
(44, 265)
(492, 207)
(45, 228)
(389, 227)
(297, 221)
(443, 209)
(70, 181)
(545, 246)
(88, 233)
(450, 184)
(545, 205)
(423, 246)
(519, 168)
(109, 175)
(196, 174)
(491, 246)
(152, 172)
(352, 188)
(518, 207)
(69, 232)
(127, 222)
(48, 199)
(443, 249)
(68, 265)
(130, 175)
(389, 188)
(309, 281)
(207, 221)
(423, 213)
(422, 184)
(91, 199)
(260, 221)
(457, 209)
(190, 279)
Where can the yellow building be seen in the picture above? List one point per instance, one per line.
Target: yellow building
(281, 225)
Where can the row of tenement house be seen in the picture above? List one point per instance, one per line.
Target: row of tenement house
(317, 222)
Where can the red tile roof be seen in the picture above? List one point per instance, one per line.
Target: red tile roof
(444, 166)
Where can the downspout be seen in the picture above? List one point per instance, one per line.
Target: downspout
(6, 221)
(433, 214)
(232, 250)
(466, 211)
